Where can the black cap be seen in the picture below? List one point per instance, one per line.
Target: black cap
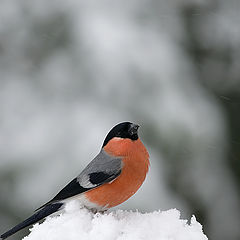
(123, 130)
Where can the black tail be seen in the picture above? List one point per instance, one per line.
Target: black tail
(42, 213)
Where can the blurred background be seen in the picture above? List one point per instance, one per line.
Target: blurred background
(71, 70)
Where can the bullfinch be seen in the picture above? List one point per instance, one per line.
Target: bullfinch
(112, 177)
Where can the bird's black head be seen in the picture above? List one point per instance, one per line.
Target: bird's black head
(123, 130)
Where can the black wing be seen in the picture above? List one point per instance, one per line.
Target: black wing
(73, 188)
(103, 169)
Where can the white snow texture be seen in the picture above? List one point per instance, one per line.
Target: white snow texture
(78, 223)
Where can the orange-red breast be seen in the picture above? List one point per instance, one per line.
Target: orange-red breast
(112, 177)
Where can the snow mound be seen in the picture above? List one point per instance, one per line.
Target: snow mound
(79, 223)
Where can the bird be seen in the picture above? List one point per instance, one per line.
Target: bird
(111, 178)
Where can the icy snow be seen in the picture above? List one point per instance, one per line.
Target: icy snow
(80, 223)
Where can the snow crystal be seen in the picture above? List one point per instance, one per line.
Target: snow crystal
(79, 223)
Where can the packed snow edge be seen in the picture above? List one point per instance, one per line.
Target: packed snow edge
(79, 223)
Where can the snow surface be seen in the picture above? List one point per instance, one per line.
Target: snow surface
(79, 223)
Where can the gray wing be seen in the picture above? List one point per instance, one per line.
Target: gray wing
(102, 169)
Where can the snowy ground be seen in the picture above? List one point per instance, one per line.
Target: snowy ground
(78, 223)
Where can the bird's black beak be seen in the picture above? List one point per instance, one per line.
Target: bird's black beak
(133, 129)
